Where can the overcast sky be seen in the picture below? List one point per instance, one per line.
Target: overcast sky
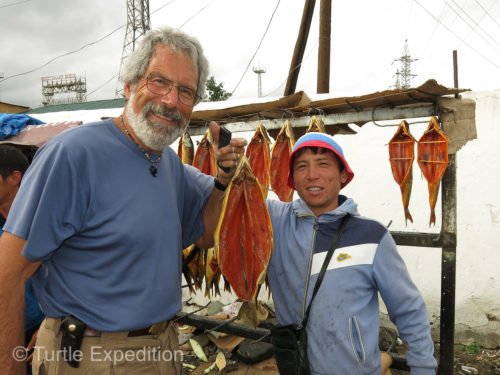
(367, 37)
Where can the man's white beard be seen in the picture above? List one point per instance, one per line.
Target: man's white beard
(154, 135)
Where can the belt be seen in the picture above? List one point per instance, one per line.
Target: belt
(154, 330)
(90, 332)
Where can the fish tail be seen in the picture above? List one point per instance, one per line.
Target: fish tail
(248, 313)
(407, 216)
(433, 195)
(433, 218)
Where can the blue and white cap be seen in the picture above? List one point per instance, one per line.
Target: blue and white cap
(316, 139)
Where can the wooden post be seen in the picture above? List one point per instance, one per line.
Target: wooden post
(325, 20)
(300, 46)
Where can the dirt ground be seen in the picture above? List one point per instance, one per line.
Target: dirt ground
(478, 361)
(485, 361)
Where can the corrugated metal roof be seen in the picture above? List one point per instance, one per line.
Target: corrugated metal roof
(97, 104)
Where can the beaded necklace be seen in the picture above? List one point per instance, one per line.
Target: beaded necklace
(152, 169)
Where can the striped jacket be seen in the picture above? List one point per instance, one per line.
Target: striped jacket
(343, 325)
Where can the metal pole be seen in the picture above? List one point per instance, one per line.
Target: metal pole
(455, 70)
(325, 21)
(448, 258)
(300, 46)
(448, 267)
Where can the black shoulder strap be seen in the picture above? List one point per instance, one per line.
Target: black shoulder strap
(331, 250)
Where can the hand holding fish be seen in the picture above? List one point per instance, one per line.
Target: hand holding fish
(227, 156)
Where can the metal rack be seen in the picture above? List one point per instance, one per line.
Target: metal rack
(446, 239)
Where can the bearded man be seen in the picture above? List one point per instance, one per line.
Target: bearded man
(101, 219)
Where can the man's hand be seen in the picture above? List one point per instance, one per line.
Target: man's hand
(227, 156)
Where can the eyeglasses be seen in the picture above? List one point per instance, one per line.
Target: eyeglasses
(162, 86)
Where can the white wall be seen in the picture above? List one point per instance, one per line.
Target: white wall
(477, 314)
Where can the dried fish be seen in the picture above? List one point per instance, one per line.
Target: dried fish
(316, 125)
(280, 153)
(186, 148)
(432, 157)
(244, 234)
(401, 156)
(204, 158)
(258, 156)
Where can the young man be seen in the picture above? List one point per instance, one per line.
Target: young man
(13, 164)
(102, 216)
(343, 326)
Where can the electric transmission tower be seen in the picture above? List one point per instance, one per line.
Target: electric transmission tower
(138, 23)
(404, 75)
(259, 72)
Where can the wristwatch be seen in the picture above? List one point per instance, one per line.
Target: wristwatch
(218, 185)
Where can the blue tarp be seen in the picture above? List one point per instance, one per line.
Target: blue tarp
(11, 124)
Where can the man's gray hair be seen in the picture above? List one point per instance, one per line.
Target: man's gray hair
(138, 61)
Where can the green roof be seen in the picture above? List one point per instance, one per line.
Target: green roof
(97, 104)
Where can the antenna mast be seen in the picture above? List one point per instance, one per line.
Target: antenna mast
(259, 72)
(138, 23)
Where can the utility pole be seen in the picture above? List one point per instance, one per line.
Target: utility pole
(404, 75)
(300, 46)
(138, 23)
(325, 22)
(259, 72)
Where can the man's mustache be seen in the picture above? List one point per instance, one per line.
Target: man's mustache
(160, 110)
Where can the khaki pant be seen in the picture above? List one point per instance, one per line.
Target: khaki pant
(111, 354)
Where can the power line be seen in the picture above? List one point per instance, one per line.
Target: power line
(104, 84)
(487, 11)
(12, 4)
(313, 48)
(436, 24)
(64, 54)
(459, 38)
(468, 24)
(77, 50)
(194, 15)
(258, 47)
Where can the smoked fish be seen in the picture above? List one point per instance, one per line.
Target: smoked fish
(258, 156)
(280, 152)
(401, 156)
(432, 157)
(244, 234)
(204, 158)
(186, 148)
(189, 266)
(316, 125)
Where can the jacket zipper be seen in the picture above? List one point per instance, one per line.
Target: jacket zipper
(356, 340)
(315, 228)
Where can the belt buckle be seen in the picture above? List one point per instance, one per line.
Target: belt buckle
(158, 328)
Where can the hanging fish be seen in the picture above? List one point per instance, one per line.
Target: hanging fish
(401, 156)
(432, 157)
(189, 266)
(212, 272)
(258, 156)
(316, 125)
(204, 158)
(244, 235)
(186, 148)
(280, 153)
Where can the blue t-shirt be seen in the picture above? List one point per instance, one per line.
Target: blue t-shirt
(109, 234)
(33, 315)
